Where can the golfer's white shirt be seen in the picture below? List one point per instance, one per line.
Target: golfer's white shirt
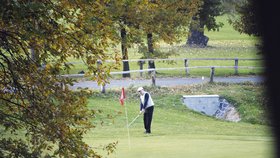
(150, 101)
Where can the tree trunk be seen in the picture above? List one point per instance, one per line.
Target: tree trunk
(196, 35)
(151, 63)
(124, 53)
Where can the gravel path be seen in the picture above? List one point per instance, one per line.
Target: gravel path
(165, 82)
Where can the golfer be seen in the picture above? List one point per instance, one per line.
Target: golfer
(146, 108)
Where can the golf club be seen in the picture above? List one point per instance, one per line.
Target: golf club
(133, 120)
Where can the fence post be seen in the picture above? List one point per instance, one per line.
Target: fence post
(236, 66)
(212, 74)
(154, 77)
(186, 66)
(141, 62)
(103, 88)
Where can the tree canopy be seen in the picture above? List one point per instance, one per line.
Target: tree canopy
(205, 18)
(165, 21)
(209, 10)
(38, 110)
(123, 15)
(247, 19)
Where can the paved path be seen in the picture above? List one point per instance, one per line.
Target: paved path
(165, 82)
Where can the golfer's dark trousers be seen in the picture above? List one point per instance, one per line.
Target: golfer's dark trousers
(148, 116)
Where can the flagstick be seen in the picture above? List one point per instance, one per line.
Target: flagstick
(128, 135)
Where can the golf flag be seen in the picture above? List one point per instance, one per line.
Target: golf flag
(122, 98)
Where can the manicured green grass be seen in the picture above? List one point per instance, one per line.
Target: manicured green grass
(193, 146)
(180, 132)
(227, 32)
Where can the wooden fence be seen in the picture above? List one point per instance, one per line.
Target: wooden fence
(185, 67)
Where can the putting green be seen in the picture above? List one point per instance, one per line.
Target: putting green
(191, 146)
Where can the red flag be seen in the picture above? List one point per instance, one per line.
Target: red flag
(122, 98)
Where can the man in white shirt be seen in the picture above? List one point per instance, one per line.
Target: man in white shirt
(146, 108)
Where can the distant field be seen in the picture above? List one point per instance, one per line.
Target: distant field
(180, 132)
(226, 43)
